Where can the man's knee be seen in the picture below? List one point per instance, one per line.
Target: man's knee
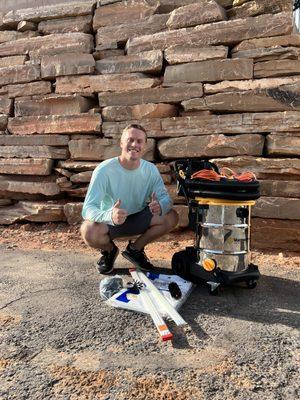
(167, 222)
(93, 232)
(170, 220)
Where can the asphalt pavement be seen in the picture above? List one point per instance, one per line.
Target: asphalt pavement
(59, 340)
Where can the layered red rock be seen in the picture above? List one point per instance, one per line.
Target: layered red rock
(211, 146)
(27, 89)
(268, 54)
(123, 12)
(63, 182)
(139, 111)
(224, 32)
(283, 144)
(287, 121)
(35, 140)
(164, 168)
(101, 54)
(257, 7)
(277, 188)
(78, 165)
(19, 74)
(34, 152)
(149, 61)
(78, 192)
(167, 179)
(9, 36)
(73, 212)
(196, 14)
(11, 184)
(66, 25)
(255, 84)
(275, 234)
(37, 14)
(67, 64)
(248, 101)
(81, 177)
(277, 208)
(172, 190)
(186, 54)
(3, 121)
(32, 211)
(52, 105)
(285, 41)
(122, 32)
(276, 68)
(25, 166)
(49, 44)
(183, 214)
(12, 61)
(6, 105)
(125, 106)
(88, 84)
(70, 124)
(156, 95)
(166, 6)
(209, 71)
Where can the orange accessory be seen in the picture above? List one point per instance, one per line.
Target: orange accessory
(225, 172)
(246, 176)
(208, 174)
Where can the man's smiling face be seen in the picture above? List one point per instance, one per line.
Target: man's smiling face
(133, 142)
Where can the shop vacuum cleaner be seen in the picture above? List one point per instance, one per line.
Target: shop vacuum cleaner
(219, 213)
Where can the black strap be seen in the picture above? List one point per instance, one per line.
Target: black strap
(296, 5)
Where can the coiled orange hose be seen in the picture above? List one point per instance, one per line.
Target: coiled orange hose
(208, 174)
(225, 172)
(246, 176)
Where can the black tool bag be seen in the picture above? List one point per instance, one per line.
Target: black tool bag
(229, 189)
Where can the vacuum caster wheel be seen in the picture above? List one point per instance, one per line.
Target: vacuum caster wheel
(251, 283)
(180, 265)
(214, 289)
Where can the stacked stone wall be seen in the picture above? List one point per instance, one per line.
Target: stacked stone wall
(213, 79)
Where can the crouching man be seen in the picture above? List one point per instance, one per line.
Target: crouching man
(126, 197)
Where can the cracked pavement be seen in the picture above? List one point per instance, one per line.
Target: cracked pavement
(59, 340)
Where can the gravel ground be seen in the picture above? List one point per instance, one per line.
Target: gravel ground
(59, 340)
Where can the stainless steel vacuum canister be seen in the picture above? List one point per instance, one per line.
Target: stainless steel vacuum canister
(225, 233)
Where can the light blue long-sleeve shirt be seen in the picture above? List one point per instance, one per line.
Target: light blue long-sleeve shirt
(111, 182)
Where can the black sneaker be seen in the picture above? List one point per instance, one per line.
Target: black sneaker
(137, 257)
(105, 264)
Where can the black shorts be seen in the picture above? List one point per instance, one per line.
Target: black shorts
(135, 224)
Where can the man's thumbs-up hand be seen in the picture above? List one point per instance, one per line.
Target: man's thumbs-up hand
(117, 204)
(118, 214)
(154, 205)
